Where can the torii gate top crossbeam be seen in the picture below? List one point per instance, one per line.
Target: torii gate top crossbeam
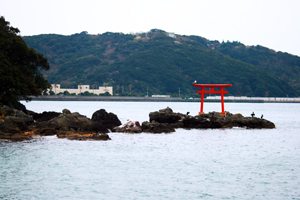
(210, 85)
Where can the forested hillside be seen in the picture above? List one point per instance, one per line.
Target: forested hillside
(164, 63)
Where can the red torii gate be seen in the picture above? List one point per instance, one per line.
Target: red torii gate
(211, 90)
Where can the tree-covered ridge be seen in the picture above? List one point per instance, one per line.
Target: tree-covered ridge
(158, 62)
(284, 66)
(19, 67)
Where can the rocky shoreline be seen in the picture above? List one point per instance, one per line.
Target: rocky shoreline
(16, 125)
(166, 121)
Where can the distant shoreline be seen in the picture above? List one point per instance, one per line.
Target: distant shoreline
(159, 99)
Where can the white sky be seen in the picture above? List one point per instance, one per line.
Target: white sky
(271, 23)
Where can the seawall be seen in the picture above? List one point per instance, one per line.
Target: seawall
(160, 99)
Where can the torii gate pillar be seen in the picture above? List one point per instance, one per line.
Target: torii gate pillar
(211, 90)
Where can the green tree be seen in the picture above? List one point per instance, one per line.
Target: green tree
(86, 93)
(105, 94)
(19, 68)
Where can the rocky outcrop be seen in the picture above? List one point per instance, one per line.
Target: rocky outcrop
(77, 135)
(200, 122)
(14, 124)
(155, 127)
(66, 121)
(72, 125)
(253, 123)
(101, 119)
(162, 121)
(166, 116)
(44, 116)
(166, 120)
(129, 127)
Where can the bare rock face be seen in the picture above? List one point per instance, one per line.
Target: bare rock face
(101, 118)
(44, 116)
(253, 123)
(155, 127)
(129, 127)
(14, 124)
(77, 135)
(199, 122)
(167, 118)
(66, 122)
(73, 126)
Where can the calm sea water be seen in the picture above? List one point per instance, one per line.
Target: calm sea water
(189, 164)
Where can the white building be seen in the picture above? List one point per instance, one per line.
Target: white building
(161, 96)
(81, 89)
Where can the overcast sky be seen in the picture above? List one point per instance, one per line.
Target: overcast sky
(271, 23)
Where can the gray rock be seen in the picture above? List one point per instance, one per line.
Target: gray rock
(253, 123)
(155, 127)
(14, 123)
(44, 116)
(72, 126)
(212, 120)
(101, 118)
(71, 135)
(129, 127)
(66, 122)
(167, 116)
(196, 122)
(66, 111)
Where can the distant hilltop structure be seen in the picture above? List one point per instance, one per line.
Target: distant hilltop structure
(56, 88)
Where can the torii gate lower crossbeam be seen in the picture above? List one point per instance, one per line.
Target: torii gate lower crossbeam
(211, 90)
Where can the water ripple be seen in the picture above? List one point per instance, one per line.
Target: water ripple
(195, 164)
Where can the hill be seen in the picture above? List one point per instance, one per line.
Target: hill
(158, 62)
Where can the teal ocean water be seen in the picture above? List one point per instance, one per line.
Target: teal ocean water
(188, 164)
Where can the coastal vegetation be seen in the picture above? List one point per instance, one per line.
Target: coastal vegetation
(20, 68)
(157, 62)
